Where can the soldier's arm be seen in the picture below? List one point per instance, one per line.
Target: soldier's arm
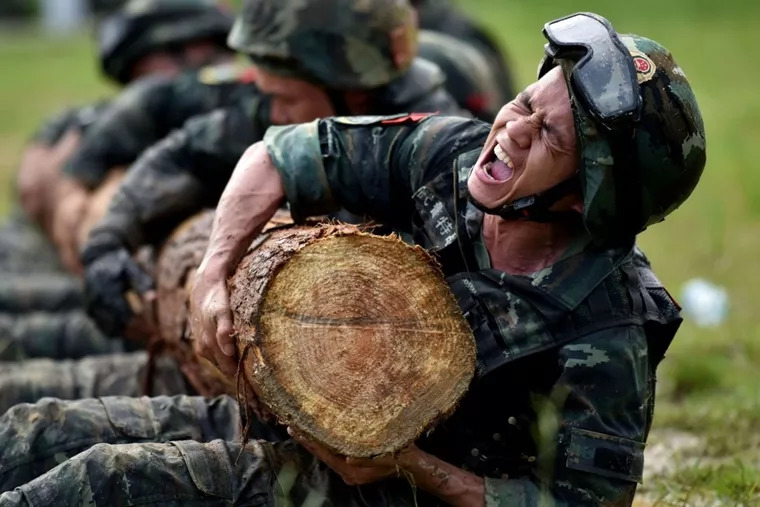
(370, 166)
(130, 125)
(54, 128)
(592, 427)
(144, 114)
(179, 176)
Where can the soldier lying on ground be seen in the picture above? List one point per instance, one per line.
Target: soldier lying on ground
(188, 171)
(39, 302)
(534, 224)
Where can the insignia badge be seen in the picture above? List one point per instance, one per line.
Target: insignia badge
(645, 67)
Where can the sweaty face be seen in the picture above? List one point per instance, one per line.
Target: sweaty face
(293, 100)
(531, 147)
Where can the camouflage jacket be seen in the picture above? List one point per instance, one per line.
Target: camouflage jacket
(80, 118)
(148, 110)
(188, 170)
(563, 397)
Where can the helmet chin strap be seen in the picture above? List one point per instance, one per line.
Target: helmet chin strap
(536, 207)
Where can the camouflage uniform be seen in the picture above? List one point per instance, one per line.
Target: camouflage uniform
(579, 341)
(91, 377)
(42, 435)
(61, 334)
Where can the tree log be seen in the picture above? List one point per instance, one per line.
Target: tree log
(353, 339)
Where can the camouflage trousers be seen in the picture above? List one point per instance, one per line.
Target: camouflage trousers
(187, 472)
(40, 292)
(37, 437)
(24, 248)
(91, 377)
(60, 335)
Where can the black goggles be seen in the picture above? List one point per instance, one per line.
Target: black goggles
(603, 77)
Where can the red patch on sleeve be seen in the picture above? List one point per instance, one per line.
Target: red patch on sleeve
(409, 118)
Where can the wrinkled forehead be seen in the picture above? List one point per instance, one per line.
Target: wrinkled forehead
(550, 90)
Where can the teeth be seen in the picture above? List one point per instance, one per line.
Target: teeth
(502, 155)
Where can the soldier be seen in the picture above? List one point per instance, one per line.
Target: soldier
(134, 41)
(534, 223)
(189, 169)
(145, 38)
(42, 313)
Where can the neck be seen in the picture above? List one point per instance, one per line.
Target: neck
(521, 247)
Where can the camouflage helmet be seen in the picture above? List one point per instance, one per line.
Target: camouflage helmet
(143, 26)
(340, 44)
(668, 146)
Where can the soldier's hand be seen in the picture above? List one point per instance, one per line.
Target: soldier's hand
(70, 207)
(211, 320)
(356, 471)
(110, 278)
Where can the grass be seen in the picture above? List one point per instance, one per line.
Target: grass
(710, 381)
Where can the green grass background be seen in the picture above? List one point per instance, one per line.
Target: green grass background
(710, 381)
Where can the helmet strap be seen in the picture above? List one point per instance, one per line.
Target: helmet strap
(627, 181)
(537, 207)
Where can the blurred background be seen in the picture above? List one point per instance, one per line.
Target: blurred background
(705, 445)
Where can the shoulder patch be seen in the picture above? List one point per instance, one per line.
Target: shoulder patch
(226, 73)
(407, 118)
(645, 67)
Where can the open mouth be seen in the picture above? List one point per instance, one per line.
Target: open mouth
(498, 166)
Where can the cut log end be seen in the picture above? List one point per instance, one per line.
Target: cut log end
(353, 339)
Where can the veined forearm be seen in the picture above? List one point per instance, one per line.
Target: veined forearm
(444, 480)
(251, 197)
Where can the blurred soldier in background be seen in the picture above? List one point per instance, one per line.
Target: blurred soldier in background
(40, 305)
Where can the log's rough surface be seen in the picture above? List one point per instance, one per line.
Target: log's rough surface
(178, 259)
(353, 339)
